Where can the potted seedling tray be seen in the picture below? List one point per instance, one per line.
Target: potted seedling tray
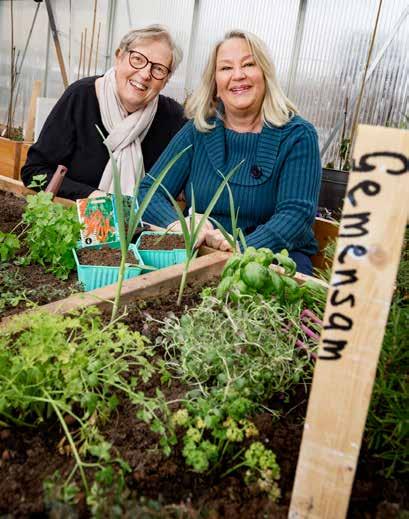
(108, 257)
(160, 249)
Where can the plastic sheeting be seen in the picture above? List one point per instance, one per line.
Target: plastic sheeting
(331, 57)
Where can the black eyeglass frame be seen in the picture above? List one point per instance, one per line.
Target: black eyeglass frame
(147, 63)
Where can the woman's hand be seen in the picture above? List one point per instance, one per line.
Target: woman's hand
(215, 239)
(207, 226)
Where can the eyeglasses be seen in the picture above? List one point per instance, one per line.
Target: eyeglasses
(138, 61)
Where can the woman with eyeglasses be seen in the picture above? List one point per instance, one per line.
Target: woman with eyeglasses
(125, 103)
(237, 112)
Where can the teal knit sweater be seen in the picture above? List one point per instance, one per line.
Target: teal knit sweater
(277, 199)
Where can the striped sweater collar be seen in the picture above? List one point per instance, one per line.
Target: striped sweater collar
(267, 149)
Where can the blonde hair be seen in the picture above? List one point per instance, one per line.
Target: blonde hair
(276, 108)
(153, 33)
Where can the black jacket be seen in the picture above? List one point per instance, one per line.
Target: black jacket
(69, 137)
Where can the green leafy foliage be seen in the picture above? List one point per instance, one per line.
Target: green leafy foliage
(13, 291)
(246, 277)
(387, 425)
(262, 469)
(244, 348)
(9, 245)
(51, 365)
(38, 181)
(237, 235)
(234, 357)
(52, 232)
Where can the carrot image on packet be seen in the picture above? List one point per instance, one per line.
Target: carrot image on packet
(98, 217)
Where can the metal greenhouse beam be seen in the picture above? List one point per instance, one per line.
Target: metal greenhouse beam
(110, 34)
(128, 10)
(30, 32)
(295, 54)
(56, 42)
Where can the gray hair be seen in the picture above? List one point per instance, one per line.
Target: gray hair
(276, 109)
(153, 33)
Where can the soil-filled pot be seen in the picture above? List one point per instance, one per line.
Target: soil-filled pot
(13, 154)
(96, 276)
(160, 250)
(10, 153)
(333, 188)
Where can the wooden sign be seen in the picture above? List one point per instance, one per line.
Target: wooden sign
(364, 271)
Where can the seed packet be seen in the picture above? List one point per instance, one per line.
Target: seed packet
(99, 219)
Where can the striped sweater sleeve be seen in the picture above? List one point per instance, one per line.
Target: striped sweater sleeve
(160, 210)
(297, 196)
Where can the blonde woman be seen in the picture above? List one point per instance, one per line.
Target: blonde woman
(126, 104)
(240, 112)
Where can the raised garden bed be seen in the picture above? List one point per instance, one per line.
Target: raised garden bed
(43, 287)
(196, 456)
(160, 486)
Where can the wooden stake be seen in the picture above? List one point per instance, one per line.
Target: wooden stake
(365, 266)
(361, 90)
(9, 123)
(56, 43)
(80, 61)
(29, 133)
(96, 49)
(84, 52)
(92, 37)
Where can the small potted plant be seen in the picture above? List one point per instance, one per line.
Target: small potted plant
(13, 148)
(335, 174)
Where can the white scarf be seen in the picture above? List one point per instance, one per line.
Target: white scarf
(126, 132)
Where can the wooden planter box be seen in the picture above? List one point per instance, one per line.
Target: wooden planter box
(341, 389)
(18, 188)
(208, 265)
(12, 157)
(25, 146)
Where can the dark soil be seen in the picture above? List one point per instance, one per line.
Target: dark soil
(104, 256)
(11, 209)
(38, 286)
(28, 457)
(163, 242)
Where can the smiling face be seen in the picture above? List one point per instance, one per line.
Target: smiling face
(137, 87)
(239, 80)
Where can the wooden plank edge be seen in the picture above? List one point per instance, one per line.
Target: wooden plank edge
(19, 189)
(148, 285)
(202, 269)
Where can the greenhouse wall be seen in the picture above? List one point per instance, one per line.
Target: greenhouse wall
(319, 48)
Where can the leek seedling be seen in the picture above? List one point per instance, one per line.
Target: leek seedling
(126, 237)
(237, 234)
(191, 232)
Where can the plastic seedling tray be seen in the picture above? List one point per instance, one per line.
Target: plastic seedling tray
(97, 276)
(160, 258)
